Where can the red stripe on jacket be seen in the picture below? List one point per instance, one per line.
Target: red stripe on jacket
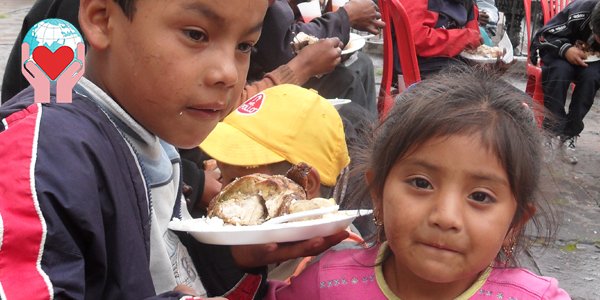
(23, 229)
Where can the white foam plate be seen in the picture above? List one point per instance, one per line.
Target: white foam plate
(206, 230)
(355, 43)
(592, 58)
(503, 43)
(478, 58)
(337, 103)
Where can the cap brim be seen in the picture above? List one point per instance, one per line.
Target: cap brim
(229, 145)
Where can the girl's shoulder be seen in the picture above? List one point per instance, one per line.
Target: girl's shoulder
(520, 283)
(353, 257)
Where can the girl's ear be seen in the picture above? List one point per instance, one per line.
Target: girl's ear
(94, 21)
(313, 186)
(513, 233)
(369, 176)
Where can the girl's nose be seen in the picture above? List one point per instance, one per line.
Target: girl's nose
(447, 212)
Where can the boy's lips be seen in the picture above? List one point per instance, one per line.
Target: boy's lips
(204, 112)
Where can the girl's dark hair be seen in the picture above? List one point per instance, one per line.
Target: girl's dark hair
(128, 7)
(466, 101)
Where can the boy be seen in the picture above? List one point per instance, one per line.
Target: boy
(97, 181)
(562, 63)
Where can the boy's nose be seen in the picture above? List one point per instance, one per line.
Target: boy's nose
(223, 69)
(446, 212)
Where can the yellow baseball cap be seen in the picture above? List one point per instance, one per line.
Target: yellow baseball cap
(282, 123)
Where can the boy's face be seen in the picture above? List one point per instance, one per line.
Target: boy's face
(178, 66)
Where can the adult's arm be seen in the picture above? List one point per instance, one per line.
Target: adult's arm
(439, 42)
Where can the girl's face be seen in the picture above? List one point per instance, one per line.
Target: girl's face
(447, 208)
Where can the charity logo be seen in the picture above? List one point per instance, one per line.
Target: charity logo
(53, 56)
(252, 105)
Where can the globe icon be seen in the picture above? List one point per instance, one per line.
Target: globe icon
(53, 34)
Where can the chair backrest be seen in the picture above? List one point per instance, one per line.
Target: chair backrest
(552, 7)
(392, 11)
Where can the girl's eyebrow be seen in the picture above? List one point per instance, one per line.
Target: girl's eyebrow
(477, 175)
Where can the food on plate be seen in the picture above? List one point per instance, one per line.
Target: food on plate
(486, 51)
(304, 205)
(255, 198)
(302, 40)
(586, 48)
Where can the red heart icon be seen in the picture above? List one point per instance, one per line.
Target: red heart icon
(53, 63)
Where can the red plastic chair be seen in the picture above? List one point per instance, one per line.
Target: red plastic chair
(392, 11)
(534, 73)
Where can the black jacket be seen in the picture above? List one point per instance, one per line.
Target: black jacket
(562, 31)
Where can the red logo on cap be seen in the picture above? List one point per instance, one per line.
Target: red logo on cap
(252, 105)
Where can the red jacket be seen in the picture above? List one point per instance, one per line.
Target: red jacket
(443, 28)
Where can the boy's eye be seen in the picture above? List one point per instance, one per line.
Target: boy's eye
(481, 197)
(245, 47)
(421, 183)
(195, 35)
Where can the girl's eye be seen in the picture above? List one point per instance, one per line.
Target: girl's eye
(421, 183)
(245, 47)
(481, 197)
(195, 35)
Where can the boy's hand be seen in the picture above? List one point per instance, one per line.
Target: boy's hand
(317, 59)
(252, 256)
(576, 56)
(364, 15)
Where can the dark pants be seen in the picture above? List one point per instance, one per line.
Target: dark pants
(557, 74)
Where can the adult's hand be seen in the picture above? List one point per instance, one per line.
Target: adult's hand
(484, 18)
(252, 256)
(364, 15)
(316, 59)
(576, 56)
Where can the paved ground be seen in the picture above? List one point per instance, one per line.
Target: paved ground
(574, 258)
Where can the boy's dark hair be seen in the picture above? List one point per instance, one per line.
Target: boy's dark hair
(595, 19)
(467, 101)
(128, 7)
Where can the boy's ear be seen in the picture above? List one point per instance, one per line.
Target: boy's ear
(94, 20)
(313, 187)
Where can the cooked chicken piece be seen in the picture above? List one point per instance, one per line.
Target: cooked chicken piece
(252, 199)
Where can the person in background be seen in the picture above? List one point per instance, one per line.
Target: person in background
(563, 60)
(283, 21)
(453, 174)
(488, 16)
(441, 29)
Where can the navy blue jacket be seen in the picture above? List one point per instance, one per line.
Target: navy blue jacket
(74, 209)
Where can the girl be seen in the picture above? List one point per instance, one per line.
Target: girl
(453, 175)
